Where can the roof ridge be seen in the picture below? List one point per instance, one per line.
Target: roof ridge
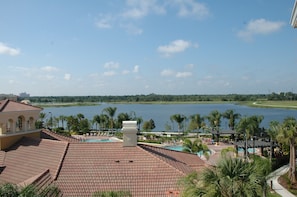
(61, 161)
(33, 179)
(5, 103)
(59, 136)
(163, 161)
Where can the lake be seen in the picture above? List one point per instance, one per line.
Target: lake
(161, 113)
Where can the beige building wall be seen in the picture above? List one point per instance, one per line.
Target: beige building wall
(7, 141)
(16, 121)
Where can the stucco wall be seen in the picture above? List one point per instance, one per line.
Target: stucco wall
(6, 142)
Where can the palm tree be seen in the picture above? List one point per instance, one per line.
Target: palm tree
(214, 119)
(111, 112)
(288, 135)
(195, 147)
(261, 173)
(103, 121)
(96, 121)
(62, 119)
(122, 117)
(179, 119)
(9, 189)
(231, 177)
(246, 127)
(273, 130)
(112, 194)
(231, 116)
(197, 122)
(139, 121)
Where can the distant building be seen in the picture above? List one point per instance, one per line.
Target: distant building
(24, 95)
(294, 15)
(8, 96)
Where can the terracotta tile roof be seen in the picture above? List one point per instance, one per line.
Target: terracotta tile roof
(2, 157)
(142, 170)
(46, 134)
(184, 162)
(80, 169)
(9, 106)
(30, 157)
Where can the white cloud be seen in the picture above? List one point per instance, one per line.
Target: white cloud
(49, 69)
(125, 72)
(6, 50)
(11, 81)
(67, 76)
(132, 29)
(190, 66)
(48, 77)
(167, 72)
(136, 69)
(111, 65)
(183, 74)
(259, 27)
(109, 73)
(140, 8)
(104, 23)
(191, 8)
(175, 46)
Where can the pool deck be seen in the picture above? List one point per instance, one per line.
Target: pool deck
(83, 137)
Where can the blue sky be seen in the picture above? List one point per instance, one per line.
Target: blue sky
(117, 47)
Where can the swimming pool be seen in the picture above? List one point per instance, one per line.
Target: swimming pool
(100, 140)
(250, 150)
(180, 148)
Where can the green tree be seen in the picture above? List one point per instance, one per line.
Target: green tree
(96, 120)
(148, 125)
(232, 177)
(288, 135)
(139, 121)
(122, 117)
(11, 190)
(195, 147)
(63, 119)
(232, 117)
(273, 130)
(179, 119)
(214, 119)
(112, 194)
(73, 123)
(196, 122)
(111, 113)
(104, 121)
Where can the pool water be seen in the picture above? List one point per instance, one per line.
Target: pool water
(180, 148)
(99, 140)
(250, 150)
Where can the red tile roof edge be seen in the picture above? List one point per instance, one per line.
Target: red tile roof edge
(61, 162)
(33, 179)
(5, 102)
(166, 163)
(59, 137)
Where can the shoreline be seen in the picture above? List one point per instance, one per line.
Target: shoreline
(257, 104)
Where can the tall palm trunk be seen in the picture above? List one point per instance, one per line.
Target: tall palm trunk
(292, 165)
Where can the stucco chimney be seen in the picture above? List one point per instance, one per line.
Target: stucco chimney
(129, 133)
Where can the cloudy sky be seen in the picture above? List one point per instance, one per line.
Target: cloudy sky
(118, 47)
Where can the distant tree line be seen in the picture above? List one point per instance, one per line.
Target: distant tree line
(283, 96)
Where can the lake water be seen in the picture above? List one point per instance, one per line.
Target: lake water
(161, 113)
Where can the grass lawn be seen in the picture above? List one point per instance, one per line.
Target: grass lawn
(275, 104)
(285, 182)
